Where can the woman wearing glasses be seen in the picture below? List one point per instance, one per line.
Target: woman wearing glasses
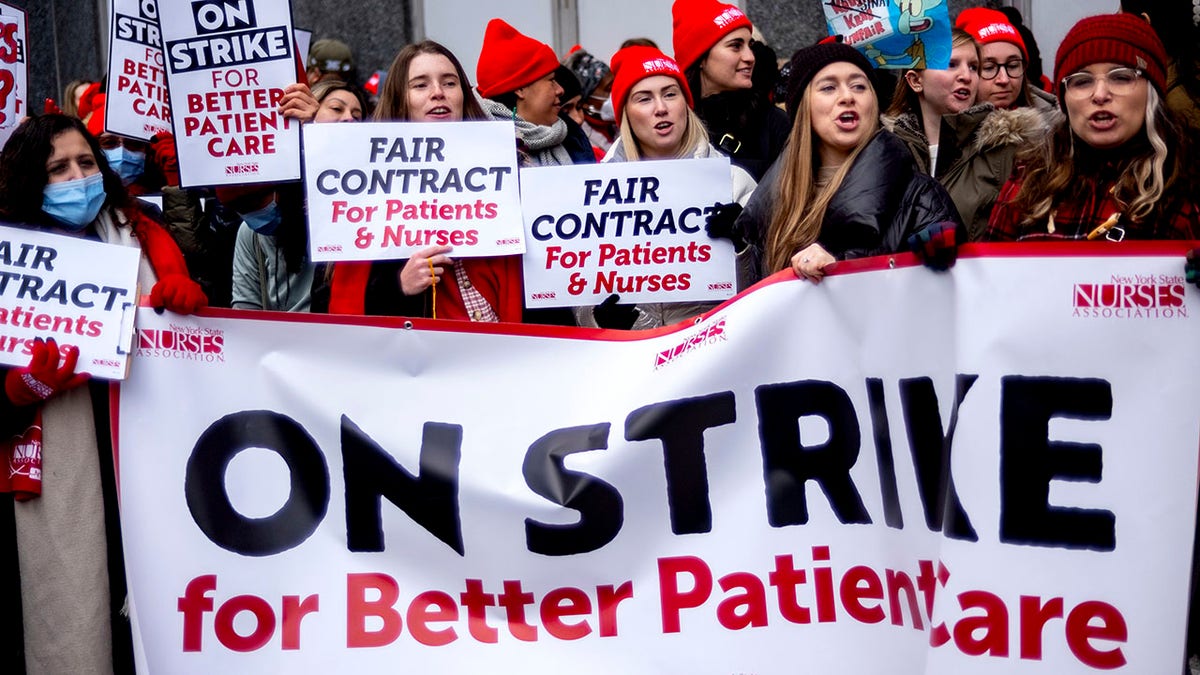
(1117, 169)
(968, 145)
(1003, 59)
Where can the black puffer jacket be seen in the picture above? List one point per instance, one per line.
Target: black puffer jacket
(745, 127)
(883, 200)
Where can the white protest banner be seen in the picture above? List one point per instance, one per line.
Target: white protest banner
(631, 228)
(385, 190)
(228, 62)
(77, 291)
(14, 70)
(137, 105)
(955, 469)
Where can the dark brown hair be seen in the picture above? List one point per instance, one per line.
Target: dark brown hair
(23, 176)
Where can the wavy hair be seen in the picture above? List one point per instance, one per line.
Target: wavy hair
(1053, 170)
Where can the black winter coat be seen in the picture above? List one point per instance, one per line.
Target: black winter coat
(883, 200)
(748, 129)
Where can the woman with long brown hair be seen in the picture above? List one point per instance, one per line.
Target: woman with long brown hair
(843, 188)
(426, 83)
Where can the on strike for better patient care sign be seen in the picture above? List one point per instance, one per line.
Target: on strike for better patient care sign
(228, 62)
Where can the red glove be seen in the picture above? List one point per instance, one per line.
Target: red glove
(49, 107)
(178, 293)
(162, 153)
(43, 377)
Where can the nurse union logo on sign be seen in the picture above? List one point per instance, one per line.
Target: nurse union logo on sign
(184, 343)
(1132, 297)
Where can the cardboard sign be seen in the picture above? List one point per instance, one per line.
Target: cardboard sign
(894, 34)
(897, 471)
(77, 291)
(228, 62)
(137, 104)
(14, 70)
(631, 228)
(385, 190)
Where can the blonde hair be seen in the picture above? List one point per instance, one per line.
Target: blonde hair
(800, 206)
(693, 137)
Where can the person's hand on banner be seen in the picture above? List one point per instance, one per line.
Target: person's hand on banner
(45, 375)
(1191, 267)
(49, 107)
(609, 314)
(299, 103)
(811, 261)
(424, 269)
(178, 293)
(162, 153)
(936, 245)
(719, 224)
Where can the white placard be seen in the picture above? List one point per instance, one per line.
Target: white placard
(137, 104)
(303, 42)
(631, 228)
(228, 62)
(78, 291)
(954, 469)
(14, 70)
(384, 190)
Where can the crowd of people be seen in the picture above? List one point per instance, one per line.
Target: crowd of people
(823, 169)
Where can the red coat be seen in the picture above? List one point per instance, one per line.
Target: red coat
(374, 289)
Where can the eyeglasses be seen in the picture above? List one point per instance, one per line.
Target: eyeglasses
(1120, 81)
(990, 69)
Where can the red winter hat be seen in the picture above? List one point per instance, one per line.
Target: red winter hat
(510, 60)
(95, 121)
(989, 25)
(633, 64)
(1113, 38)
(700, 24)
(87, 100)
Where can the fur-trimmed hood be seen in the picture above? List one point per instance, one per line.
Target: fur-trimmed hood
(980, 127)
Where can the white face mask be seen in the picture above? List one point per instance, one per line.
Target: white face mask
(607, 113)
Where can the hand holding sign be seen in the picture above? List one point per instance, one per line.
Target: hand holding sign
(44, 376)
(424, 269)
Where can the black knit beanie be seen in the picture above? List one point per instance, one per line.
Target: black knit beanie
(807, 62)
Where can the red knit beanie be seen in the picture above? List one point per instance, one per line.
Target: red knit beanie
(700, 24)
(634, 64)
(989, 25)
(510, 60)
(1126, 39)
(95, 121)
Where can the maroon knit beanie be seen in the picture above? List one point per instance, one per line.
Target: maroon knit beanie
(1113, 38)
(633, 64)
(700, 24)
(510, 60)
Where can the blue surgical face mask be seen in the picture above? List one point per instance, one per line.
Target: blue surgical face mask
(128, 164)
(74, 203)
(264, 220)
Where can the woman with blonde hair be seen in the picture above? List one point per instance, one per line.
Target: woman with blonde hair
(1117, 169)
(843, 188)
(652, 100)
